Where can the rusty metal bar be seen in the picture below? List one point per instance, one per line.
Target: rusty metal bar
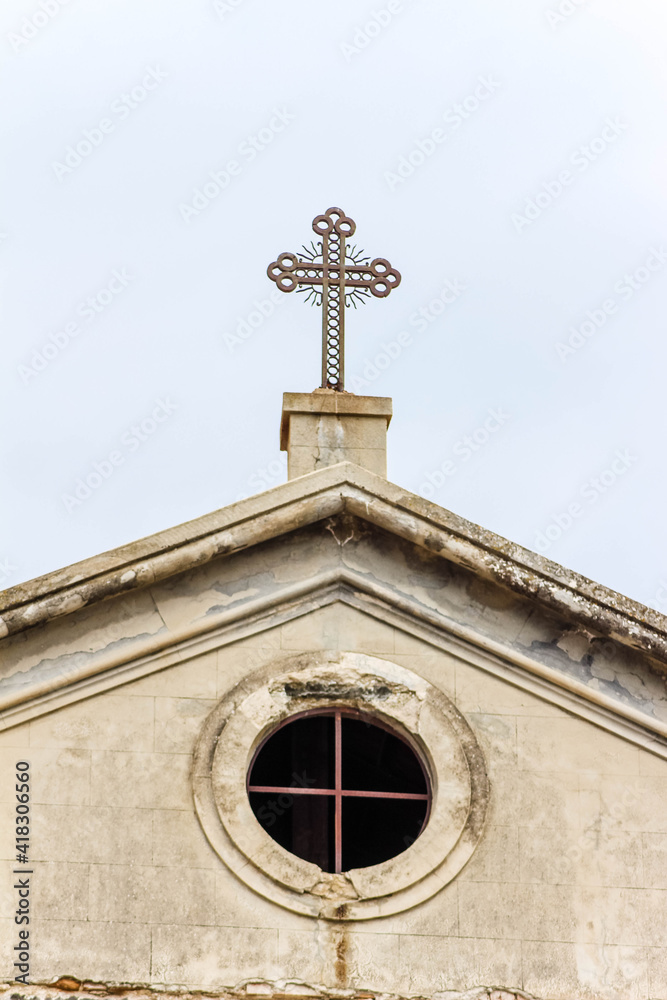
(338, 777)
(359, 793)
(385, 795)
(325, 305)
(291, 790)
(341, 320)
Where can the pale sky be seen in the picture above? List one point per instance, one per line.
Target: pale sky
(509, 158)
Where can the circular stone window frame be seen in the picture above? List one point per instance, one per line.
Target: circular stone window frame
(401, 700)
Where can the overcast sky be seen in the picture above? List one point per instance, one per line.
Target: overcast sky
(509, 158)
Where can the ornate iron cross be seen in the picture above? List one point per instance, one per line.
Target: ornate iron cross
(334, 276)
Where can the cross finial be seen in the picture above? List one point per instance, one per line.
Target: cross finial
(334, 276)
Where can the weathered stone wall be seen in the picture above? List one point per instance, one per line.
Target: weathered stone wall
(565, 896)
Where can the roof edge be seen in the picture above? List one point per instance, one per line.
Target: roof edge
(311, 498)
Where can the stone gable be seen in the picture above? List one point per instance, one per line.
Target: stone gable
(137, 684)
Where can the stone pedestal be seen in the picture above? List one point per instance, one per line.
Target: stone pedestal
(325, 427)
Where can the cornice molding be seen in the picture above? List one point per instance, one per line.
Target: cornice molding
(315, 497)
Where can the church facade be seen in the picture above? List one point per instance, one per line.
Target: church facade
(333, 740)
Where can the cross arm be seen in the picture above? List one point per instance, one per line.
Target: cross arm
(379, 277)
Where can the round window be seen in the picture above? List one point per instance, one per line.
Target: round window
(339, 789)
(340, 785)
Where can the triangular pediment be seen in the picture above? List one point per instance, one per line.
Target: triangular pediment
(339, 534)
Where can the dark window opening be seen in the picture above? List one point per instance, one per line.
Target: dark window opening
(339, 789)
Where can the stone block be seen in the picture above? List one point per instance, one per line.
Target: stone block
(479, 691)
(178, 722)
(439, 668)
(496, 858)
(305, 955)
(235, 903)
(569, 744)
(511, 910)
(178, 840)
(370, 960)
(592, 856)
(326, 427)
(100, 836)
(338, 627)
(303, 460)
(318, 630)
(564, 971)
(333, 955)
(441, 912)
(239, 659)
(534, 799)
(109, 721)
(121, 892)
(361, 633)
(213, 957)
(108, 952)
(195, 678)
(497, 737)
(657, 972)
(146, 780)
(60, 890)
(183, 896)
(624, 803)
(152, 895)
(337, 433)
(628, 917)
(654, 857)
(56, 776)
(431, 963)
(498, 962)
